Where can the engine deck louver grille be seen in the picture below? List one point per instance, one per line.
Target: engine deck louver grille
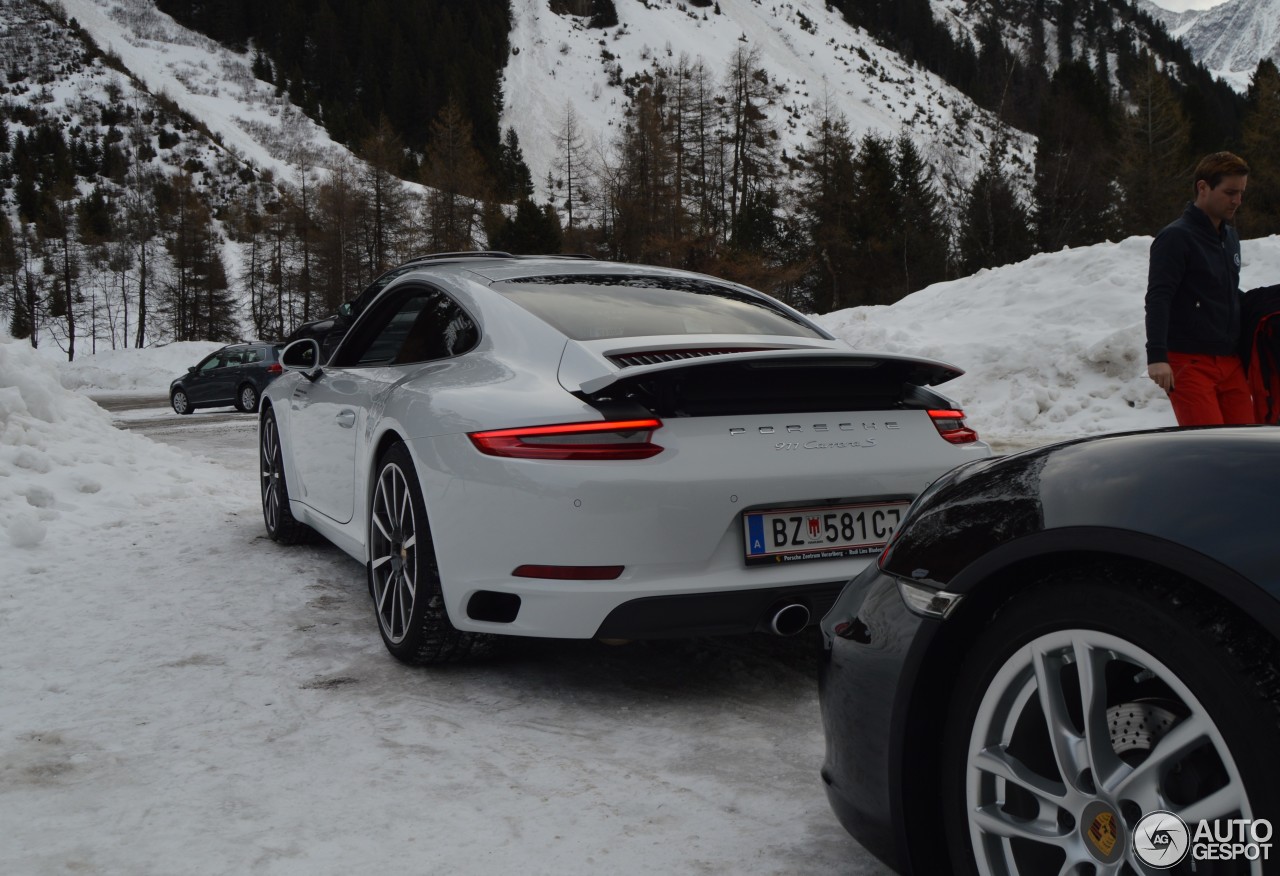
(655, 357)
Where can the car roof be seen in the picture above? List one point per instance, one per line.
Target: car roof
(498, 266)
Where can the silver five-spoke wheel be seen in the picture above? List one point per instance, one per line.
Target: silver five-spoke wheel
(1096, 711)
(1079, 734)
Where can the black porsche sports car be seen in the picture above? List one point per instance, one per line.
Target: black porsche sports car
(1067, 661)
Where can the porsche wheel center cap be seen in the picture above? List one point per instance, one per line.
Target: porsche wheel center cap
(1103, 832)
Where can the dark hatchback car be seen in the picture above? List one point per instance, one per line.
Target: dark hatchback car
(1057, 645)
(235, 375)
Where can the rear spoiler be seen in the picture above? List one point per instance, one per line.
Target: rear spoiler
(588, 368)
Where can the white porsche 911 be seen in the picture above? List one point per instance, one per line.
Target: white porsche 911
(555, 446)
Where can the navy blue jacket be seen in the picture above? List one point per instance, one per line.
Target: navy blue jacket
(1193, 288)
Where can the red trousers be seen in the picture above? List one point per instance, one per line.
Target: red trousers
(1209, 390)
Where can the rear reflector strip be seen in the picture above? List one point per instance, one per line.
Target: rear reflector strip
(608, 440)
(950, 425)
(569, 573)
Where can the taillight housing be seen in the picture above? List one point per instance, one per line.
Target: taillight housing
(605, 440)
(950, 425)
(275, 368)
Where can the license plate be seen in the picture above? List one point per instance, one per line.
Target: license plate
(827, 532)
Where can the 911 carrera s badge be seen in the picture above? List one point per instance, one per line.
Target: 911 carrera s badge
(1102, 830)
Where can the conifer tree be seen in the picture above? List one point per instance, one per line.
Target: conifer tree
(878, 218)
(383, 153)
(923, 245)
(1261, 215)
(642, 193)
(532, 230)
(196, 299)
(994, 225)
(827, 194)
(1152, 155)
(1074, 203)
(752, 142)
(340, 208)
(699, 151)
(573, 189)
(515, 182)
(20, 323)
(141, 223)
(458, 183)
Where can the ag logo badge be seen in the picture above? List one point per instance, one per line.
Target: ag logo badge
(1161, 839)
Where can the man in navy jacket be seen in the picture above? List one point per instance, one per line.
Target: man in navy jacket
(1193, 301)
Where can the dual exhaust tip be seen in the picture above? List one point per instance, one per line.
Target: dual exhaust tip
(790, 619)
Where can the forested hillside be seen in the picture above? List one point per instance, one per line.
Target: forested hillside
(351, 63)
(126, 221)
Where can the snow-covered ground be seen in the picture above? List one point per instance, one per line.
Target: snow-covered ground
(180, 694)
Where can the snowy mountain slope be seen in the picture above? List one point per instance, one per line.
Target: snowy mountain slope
(89, 97)
(806, 47)
(1229, 39)
(808, 51)
(208, 81)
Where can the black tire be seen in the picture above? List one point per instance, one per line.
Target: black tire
(1202, 673)
(247, 398)
(181, 403)
(403, 578)
(282, 526)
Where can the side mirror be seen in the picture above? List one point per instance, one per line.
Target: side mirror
(344, 310)
(191, 369)
(303, 356)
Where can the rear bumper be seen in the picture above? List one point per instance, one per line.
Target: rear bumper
(674, 523)
(713, 614)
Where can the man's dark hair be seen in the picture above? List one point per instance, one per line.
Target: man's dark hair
(1212, 168)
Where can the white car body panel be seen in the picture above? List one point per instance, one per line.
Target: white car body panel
(673, 521)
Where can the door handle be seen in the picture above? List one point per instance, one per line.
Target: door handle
(346, 419)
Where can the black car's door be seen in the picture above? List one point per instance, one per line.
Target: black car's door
(207, 384)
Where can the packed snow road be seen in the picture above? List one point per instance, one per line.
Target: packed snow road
(191, 697)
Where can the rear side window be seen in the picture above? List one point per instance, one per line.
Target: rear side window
(594, 307)
(418, 325)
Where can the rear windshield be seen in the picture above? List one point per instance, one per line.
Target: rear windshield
(593, 307)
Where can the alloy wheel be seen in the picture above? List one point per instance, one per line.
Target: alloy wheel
(393, 553)
(1078, 735)
(271, 468)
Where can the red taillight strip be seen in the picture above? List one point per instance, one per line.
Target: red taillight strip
(950, 425)
(569, 573)
(631, 441)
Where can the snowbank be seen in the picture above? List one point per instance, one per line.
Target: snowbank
(149, 370)
(1053, 347)
(64, 466)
